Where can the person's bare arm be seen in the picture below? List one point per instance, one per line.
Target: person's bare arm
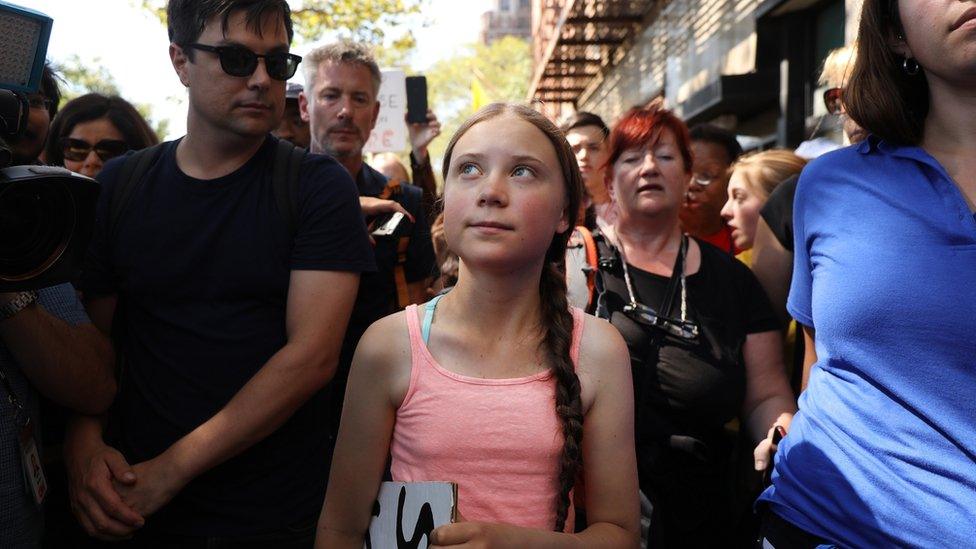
(373, 206)
(318, 309)
(769, 400)
(422, 172)
(773, 266)
(809, 354)
(609, 458)
(73, 365)
(101, 311)
(378, 381)
(94, 467)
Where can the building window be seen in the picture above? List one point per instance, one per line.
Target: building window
(504, 5)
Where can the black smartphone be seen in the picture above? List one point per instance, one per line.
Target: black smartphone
(417, 99)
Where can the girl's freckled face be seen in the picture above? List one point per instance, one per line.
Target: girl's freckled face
(504, 197)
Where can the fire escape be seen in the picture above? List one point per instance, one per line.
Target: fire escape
(577, 40)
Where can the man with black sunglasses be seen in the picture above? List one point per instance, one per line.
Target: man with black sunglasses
(229, 318)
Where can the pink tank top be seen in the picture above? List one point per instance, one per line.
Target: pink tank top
(499, 439)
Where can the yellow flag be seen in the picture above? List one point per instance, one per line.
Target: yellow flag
(478, 98)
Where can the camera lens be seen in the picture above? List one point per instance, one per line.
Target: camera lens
(36, 223)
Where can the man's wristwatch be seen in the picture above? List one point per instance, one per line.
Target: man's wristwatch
(17, 304)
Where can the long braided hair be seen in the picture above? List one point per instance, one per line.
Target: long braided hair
(557, 321)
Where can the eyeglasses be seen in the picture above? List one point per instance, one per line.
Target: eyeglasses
(703, 180)
(833, 100)
(240, 61)
(39, 102)
(77, 150)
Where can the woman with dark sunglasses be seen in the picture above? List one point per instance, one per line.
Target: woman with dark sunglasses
(91, 129)
(704, 342)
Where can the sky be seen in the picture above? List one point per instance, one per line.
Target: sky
(132, 45)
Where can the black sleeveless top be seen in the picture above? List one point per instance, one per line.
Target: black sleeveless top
(687, 391)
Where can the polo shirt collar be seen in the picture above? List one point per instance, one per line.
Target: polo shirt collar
(874, 143)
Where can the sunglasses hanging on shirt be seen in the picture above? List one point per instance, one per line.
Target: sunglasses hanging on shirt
(643, 314)
(241, 62)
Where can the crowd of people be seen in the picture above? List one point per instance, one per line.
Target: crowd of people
(623, 335)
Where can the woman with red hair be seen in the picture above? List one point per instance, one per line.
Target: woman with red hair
(703, 339)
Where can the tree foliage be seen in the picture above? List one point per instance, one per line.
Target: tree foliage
(378, 22)
(83, 77)
(367, 20)
(503, 68)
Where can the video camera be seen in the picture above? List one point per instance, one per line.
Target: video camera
(46, 214)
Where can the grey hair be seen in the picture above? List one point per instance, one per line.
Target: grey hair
(344, 51)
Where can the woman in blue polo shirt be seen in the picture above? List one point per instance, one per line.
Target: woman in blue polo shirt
(883, 450)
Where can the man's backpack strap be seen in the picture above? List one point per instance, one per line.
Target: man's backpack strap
(607, 261)
(131, 174)
(589, 245)
(285, 175)
(284, 180)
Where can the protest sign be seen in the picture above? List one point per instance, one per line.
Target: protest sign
(390, 133)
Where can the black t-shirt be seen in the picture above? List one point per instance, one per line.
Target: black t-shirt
(685, 392)
(778, 214)
(202, 270)
(778, 211)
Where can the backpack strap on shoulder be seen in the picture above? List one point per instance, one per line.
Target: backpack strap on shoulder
(581, 237)
(285, 173)
(607, 261)
(131, 174)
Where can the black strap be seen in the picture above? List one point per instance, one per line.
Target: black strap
(284, 181)
(676, 273)
(606, 261)
(411, 197)
(609, 260)
(131, 175)
(284, 178)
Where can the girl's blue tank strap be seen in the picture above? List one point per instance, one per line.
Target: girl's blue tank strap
(428, 317)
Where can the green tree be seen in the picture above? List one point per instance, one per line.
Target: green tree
(502, 68)
(378, 22)
(83, 77)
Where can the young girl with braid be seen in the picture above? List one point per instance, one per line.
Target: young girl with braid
(499, 385)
